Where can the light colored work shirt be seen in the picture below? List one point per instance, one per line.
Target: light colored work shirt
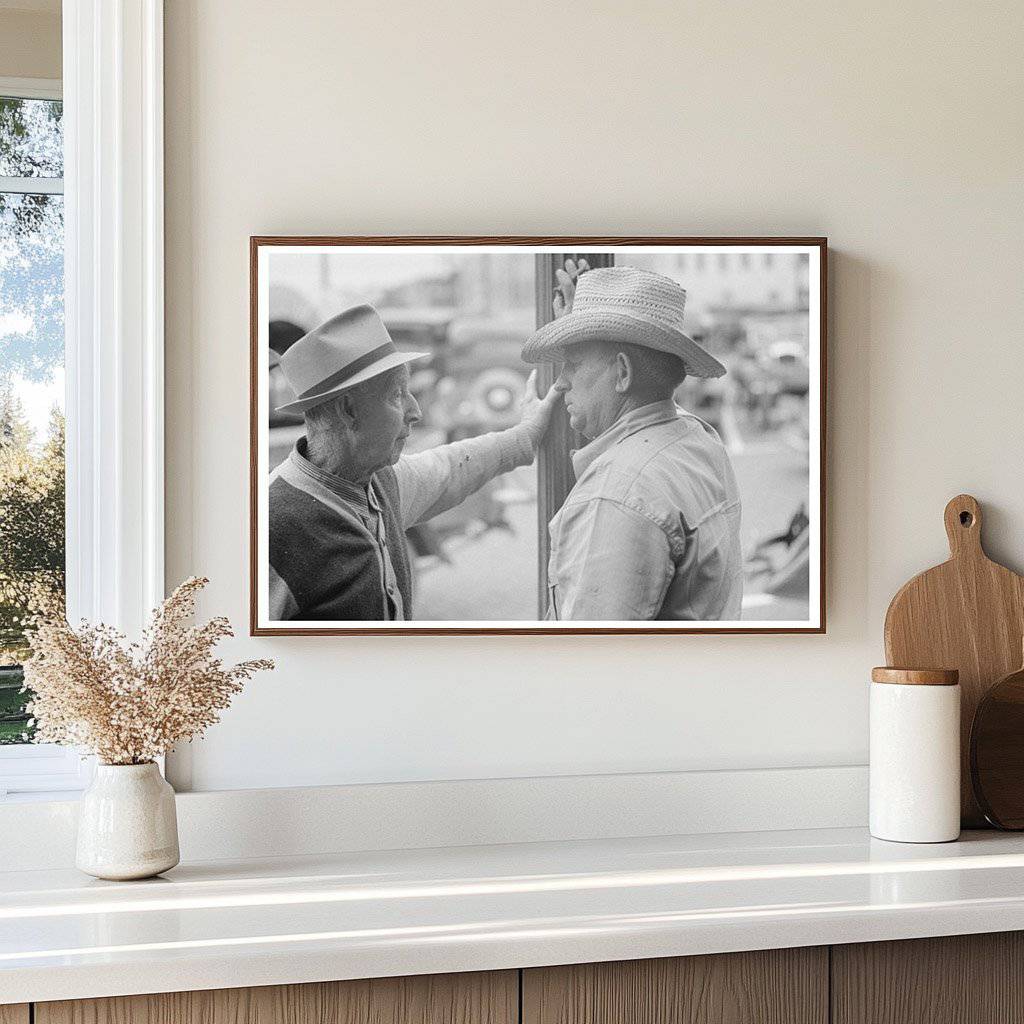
(651, 529)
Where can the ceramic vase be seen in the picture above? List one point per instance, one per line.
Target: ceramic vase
(127, 825)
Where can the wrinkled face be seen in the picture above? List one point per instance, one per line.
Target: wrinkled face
(385, 412)
(587, 383)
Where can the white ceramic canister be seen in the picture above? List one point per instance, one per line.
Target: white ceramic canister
(127, 824)
(915, 755)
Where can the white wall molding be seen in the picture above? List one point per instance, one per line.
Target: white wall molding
(31, 88)
(236, 824)
(113, 110)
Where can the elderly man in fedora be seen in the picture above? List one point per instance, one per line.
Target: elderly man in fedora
(340, 503)
(651, 529)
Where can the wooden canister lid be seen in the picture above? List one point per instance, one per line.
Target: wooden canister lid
(916, 676)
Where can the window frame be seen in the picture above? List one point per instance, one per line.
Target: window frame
(31, 89)
(112, 89)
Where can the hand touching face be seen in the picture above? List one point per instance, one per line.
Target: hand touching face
(536, 411)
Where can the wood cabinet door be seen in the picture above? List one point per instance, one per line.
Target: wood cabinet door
(477, 998)
(961, 979)
(777, 986)
(14, 1013)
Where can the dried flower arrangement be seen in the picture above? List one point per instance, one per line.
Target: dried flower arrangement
(130, 703)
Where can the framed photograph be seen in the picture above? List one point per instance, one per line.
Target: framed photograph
(457, 435)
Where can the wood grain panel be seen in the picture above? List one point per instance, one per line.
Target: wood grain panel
(14, 1013)
(779, 986)
(477, 998)
(962, 979)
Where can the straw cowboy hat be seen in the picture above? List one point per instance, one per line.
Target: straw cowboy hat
(346, 350)
(624, 304)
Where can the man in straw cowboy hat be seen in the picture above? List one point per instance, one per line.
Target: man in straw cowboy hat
(340, 503)
(651, 529)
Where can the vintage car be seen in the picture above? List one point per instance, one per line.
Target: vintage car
(483, 377)
(771, 372)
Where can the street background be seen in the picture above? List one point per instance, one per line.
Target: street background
(473, 311)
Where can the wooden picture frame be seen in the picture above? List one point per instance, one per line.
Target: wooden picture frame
(554, 470)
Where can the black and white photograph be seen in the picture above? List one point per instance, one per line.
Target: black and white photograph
(537, 435)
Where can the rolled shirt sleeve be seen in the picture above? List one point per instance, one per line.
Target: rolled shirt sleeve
(432, 481)
(608, 562)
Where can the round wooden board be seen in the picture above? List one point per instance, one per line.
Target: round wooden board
(997, 753)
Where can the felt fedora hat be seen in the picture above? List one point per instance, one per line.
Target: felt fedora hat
(624, 304)
(346, 350)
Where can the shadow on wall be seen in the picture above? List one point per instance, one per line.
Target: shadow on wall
(851, 284)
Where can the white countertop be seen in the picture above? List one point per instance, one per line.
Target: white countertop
(272, 921)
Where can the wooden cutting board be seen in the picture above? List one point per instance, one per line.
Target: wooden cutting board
(967, 614)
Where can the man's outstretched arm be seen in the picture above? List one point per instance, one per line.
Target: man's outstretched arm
(432, 481)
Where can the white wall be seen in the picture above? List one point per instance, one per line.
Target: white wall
(895, 129)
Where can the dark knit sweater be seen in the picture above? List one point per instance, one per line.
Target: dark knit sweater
(328, 555)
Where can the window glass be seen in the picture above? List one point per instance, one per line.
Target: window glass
(31, 138)
(31, 386)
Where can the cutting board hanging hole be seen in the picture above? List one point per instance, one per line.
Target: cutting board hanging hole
(963, 526)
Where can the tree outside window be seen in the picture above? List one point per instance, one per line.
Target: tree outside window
(31, 385)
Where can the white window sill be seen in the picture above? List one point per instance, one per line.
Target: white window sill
(42, 771)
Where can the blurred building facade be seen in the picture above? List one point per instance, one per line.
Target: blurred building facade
(735, 280)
